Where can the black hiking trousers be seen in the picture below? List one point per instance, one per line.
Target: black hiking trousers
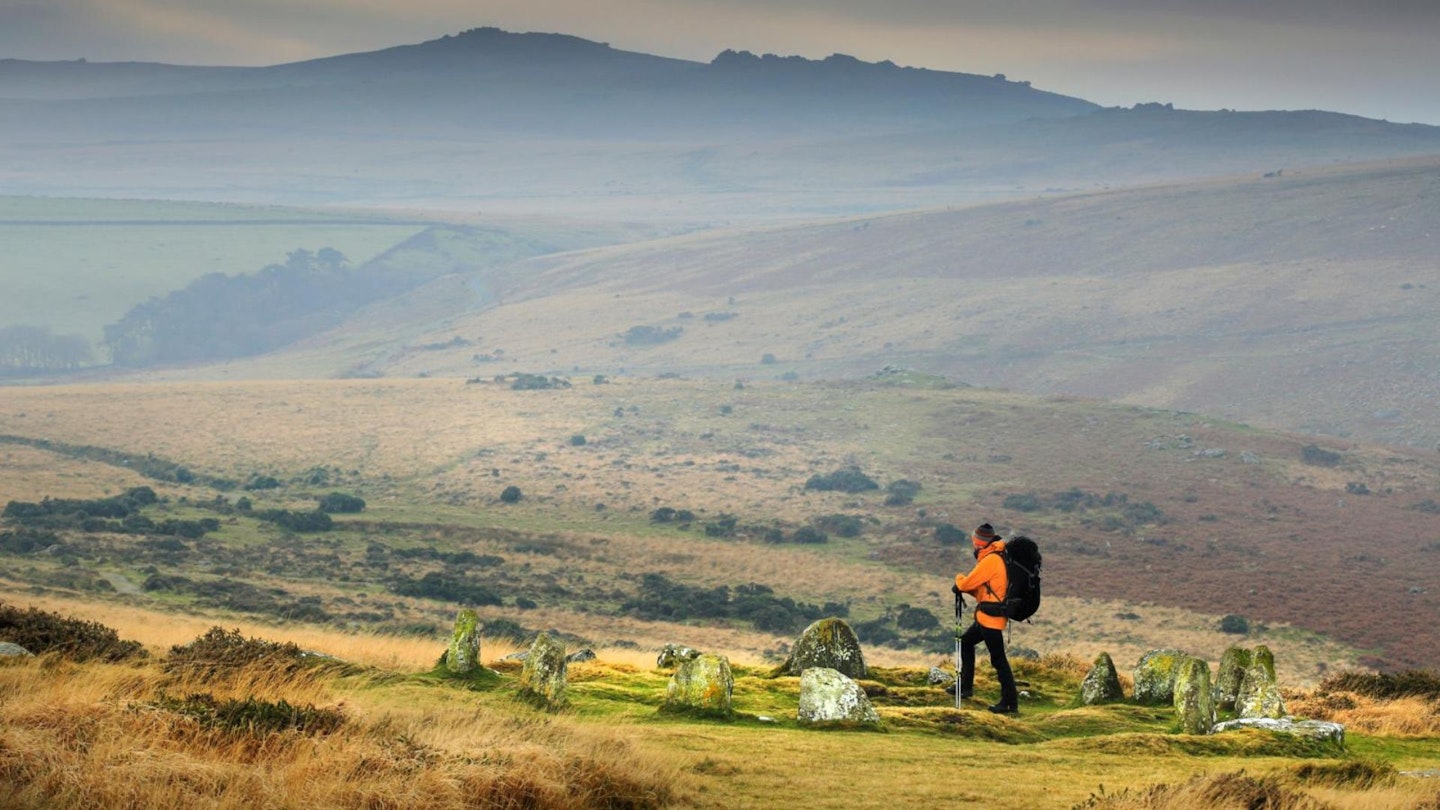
(995, 643)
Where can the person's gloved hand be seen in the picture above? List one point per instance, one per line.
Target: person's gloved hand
(955, 589)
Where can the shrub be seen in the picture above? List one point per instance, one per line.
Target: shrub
(258, 481)
(767, 359)
(651, 335)
(253, 715)
(340, 503)
(40, 631)
(948, 534)
(446, 588)
(1023, 502)
(1232, 623)
(511, 494)
(849, 479)
(916, 619)
(840, 525)
(316, 521)
(1319, 456)
(577, 440)
(809, 535)
(1357, 488)
(1385, 686)
(722, 526)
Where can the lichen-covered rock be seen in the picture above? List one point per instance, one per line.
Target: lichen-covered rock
(581, 656)
(1266, 659)
(1259, 696)
(1194, 700)
(8, 650)
(1321, 730)
(543, 676)
(673, 655)
(938, 676)
(828, 643)
(1232, 671)
(703, 685)
(828, 696)
(1102, 683)
(1155, 676)
(463, 654)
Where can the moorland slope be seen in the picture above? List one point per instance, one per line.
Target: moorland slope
(650, 511)
(1302, 301)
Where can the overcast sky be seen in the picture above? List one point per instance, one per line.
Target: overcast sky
(1378, 58)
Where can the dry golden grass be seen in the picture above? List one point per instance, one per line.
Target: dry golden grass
(92, 736)
(1280, 790)
(1399, 717)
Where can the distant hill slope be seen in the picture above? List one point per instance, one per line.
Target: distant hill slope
(1304, 301)
(524, 123)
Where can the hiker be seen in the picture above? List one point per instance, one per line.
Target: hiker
(987, 582)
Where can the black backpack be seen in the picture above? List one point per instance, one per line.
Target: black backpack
(1022, 568)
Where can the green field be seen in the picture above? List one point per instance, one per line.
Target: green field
(76, 265)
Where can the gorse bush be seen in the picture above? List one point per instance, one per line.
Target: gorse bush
(222, 651)
(299, 522)
(76, 639)
(1318, 456)
(446, 588)
(253, 715)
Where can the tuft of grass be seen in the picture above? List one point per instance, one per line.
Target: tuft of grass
(252, 715)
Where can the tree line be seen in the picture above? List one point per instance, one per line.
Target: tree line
(28, 349)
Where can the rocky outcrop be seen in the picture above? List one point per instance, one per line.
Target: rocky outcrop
(581, 656)
(939, 677)
(543, 676)
(1194, 697)
(1259, 696)
(827, 696)
(673, 655)
(1102, 683)
(1155, 677)
(828, 643)
(1321, 730)
(702, 685)
(1232, 671)
(8, 650)
(463, 654)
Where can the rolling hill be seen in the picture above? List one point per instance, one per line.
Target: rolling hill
(1301, 301)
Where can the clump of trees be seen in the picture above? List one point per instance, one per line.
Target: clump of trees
(30, 349)
(905, 626)
(298, 522)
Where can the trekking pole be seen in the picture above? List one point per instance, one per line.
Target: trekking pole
(959, 607)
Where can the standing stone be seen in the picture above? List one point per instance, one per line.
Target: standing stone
(1194, 700)
(1102, 683)
(703, 685)
(1155, 676)
(1232, 671)
(1266, 659)
(828, 643)
(8, 650)
(1259, 696)
(828, 696)
(673, 655)
(543, 676)
(463, 655)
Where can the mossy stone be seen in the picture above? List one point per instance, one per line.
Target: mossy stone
(1102, 683)
(1233, 664)
(828, 643)
(702, 685)
(1259, 696)
(543, 677)
(828, 697)
(1194, 699)
(1155, 677)
(463, 654)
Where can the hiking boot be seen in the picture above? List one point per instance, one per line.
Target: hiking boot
(1004, 708)
(965, 695)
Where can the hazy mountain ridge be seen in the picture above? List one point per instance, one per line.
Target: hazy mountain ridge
(528, 123)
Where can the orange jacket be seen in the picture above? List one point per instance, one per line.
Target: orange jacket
(987, 582)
